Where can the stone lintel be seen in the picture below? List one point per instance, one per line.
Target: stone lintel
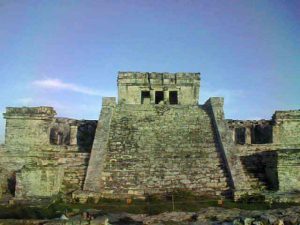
(247, 123)
(144, 78)
(41, 112)
(286, 115)
(155, 75)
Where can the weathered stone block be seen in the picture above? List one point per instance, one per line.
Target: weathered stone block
(39, 181)
(286, 129)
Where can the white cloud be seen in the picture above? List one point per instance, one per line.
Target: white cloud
(61, 85)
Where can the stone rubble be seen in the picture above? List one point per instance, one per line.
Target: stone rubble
(208, 216)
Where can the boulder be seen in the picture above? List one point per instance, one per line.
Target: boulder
(248, 221)
(100, 220)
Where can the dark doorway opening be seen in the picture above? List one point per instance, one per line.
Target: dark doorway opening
(11, 184)
(173, 97)
(262, 134)
(145, 97)
(159, 97)
(240, 135)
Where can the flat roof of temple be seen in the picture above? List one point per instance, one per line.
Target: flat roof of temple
(157, 75)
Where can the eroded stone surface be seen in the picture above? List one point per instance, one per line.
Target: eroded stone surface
(156, 139)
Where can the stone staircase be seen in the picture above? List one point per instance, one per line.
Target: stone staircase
(248, 183)
(157, 148)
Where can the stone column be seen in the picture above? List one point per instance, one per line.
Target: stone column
(233, 135)
(166, 97)
(248, 139)
(59, 138)
(152, 96)
(73, 135)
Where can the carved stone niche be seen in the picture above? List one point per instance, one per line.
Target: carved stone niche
(61, 131)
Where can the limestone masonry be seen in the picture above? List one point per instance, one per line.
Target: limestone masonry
(155, 139)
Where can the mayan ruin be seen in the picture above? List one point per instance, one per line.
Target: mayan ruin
(153, 139)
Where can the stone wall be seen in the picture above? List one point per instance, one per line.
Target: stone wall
(286, 128)
(274, 167)
(155, 149)
(42, 164)
(240, 181)
(131, 85)
(72, 162)
(157, 139)
(251, 131)
(289, 170)
(265, 150)
(65, 131)
(98, 155)
(28, 126)
(39, 181)
(215, 106)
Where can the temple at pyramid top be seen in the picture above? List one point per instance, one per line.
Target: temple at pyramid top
(158, 88)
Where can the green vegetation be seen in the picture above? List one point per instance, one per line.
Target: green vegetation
(25, 212)
(153, 204)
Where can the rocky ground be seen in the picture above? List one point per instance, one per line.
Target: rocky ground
(211, 215)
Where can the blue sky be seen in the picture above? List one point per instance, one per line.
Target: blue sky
(67, 54)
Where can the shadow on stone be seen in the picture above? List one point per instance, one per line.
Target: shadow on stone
(263, 166)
